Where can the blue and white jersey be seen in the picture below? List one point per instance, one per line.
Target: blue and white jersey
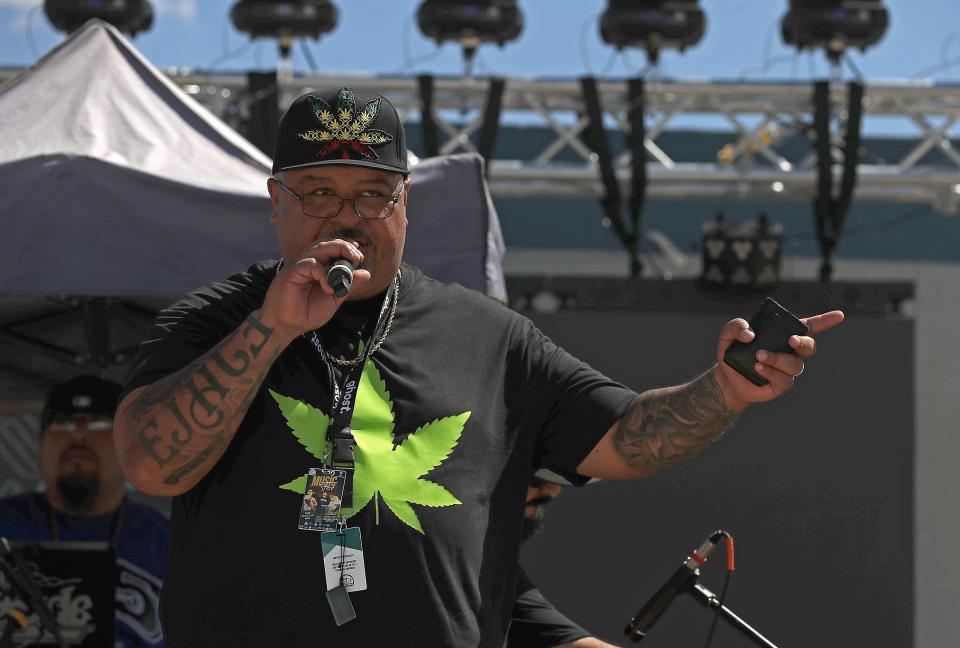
(142, 554)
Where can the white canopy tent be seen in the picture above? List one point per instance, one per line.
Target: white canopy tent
(110, 176)
(119, 192)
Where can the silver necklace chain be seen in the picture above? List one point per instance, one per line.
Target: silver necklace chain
(383, 336)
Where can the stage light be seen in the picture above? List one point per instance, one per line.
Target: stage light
(834, 25)
(284, 21)
(743, 257)
(470, 22)
(653, 25)
(129, 16)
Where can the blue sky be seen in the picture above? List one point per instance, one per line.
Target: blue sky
(560, 39)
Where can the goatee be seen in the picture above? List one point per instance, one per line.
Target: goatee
(78, 492)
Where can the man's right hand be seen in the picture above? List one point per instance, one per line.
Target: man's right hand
(170, 433)
(300, 299)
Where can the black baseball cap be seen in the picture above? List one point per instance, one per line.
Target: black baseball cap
(81, 395)
(341, 127)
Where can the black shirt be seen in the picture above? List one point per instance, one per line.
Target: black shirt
(536, 623)
(462, 399)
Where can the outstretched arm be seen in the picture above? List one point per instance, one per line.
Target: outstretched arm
(666, 426)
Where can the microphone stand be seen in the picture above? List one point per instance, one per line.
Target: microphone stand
(13, 566)
(684, 580)
(710, 601)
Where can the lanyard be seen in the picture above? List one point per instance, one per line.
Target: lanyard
(343, 398)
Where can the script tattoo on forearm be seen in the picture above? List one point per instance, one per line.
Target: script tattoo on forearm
(184, 420)
(665, 426)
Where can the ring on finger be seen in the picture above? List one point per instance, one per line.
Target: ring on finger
(797, 375)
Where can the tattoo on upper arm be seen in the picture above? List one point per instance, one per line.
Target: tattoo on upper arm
(206, 401)
(666, 426)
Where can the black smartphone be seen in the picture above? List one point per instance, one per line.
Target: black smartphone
(773, 325)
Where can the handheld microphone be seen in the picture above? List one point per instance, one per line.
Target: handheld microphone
(682, 580)
(340, 276)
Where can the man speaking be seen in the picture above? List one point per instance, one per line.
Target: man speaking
(422, 406)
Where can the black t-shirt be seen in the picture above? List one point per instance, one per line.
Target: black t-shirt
(536, 623)
(462, 399)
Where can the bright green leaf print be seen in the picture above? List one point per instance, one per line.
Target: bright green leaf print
(430, 444)
(429, 493)
(298, 485)
(393, 472)
(405, 512)
(308, 423)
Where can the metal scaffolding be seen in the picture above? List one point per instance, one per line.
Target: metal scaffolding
(768, 154)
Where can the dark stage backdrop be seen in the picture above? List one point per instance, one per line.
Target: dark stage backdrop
(816, 488)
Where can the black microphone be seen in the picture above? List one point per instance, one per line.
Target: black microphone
(682, 580)
(340, 276)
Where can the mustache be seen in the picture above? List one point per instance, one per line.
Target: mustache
(352, 234)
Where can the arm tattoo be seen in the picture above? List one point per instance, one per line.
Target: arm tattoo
(666, 426)
(185, 421)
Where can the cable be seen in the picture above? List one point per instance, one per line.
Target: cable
(307, 54)
(769, 63)
(225, 35)
(933, 69)
(716, 617)
(407, 66)
(614, 55)
(871, 228)
(767, 57)
(405, 42)
(28, 31)
(945, 63)
(726, 584)
(768, 42)
(634, 69)
(853, 66)
(226, 57)
(482, 66)
(408, 59)
(259, 95)
(945, 49)
(585, 58)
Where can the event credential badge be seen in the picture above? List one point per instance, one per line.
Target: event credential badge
(322, 496)
(343, 554)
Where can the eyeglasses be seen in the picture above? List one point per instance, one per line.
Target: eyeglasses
(329, 206)
(64, 424)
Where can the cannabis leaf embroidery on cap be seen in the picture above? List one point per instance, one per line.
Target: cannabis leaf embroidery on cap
(345, 131)
(394, 472)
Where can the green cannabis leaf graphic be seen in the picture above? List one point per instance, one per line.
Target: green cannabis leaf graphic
(309, 425)
(393, 472)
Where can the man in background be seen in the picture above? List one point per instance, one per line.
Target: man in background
(84, 500)
(536, 623)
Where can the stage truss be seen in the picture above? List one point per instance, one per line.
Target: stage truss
(769, 125)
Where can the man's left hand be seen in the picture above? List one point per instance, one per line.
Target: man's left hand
(781, 369)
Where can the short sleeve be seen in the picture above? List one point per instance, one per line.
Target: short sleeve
(195, 324)
(570, 405)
